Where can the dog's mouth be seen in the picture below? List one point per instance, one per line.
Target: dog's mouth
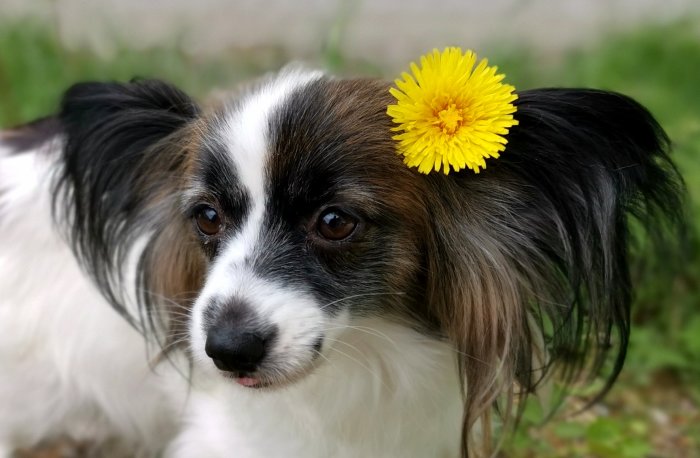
(261, 381)
(250, 382)
(269, 377)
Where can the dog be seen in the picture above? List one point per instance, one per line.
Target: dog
(264, 277)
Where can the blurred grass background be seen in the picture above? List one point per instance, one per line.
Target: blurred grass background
(653, 411)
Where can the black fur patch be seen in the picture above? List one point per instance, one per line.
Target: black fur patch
(114, 160)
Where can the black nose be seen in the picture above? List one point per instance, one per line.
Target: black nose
(234, 349)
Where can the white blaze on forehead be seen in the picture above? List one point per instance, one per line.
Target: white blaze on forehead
(247, 137)
(246, 129)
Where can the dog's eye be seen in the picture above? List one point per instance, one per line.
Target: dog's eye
(207, 220)
(334, 224)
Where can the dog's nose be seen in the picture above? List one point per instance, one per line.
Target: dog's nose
(234, 349)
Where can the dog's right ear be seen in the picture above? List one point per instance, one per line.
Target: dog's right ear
(124, 147)
(113, 125)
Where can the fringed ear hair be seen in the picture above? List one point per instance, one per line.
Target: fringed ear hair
(529, 271)
(126, 149)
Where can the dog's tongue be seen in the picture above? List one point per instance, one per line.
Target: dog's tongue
(247, 381)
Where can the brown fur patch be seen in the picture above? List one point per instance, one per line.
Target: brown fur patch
(173, 263)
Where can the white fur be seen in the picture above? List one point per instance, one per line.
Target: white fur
(71, 365)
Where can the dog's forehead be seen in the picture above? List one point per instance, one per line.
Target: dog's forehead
(244, 130)
(302, 126)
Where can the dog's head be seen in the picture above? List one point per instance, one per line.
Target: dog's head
(277, 219)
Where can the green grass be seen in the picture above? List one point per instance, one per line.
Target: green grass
(35, 69)
(653, 410)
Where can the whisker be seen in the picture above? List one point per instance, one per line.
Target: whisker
(169, 301)
(322, 356)
(354, 296)
(361, 364)
(176, 342)
(366, 329)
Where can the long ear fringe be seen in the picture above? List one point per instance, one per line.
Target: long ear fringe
(538, 280)
(120, 161)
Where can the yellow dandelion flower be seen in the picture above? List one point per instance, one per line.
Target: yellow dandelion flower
(451, 114)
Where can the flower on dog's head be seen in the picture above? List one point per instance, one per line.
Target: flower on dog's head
(451, 114)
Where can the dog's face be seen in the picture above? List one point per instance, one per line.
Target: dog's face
(307, 219)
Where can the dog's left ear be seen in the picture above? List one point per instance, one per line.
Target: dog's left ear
(530, 256)
(125, 147)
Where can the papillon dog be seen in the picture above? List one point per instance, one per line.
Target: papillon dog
(265, 277)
